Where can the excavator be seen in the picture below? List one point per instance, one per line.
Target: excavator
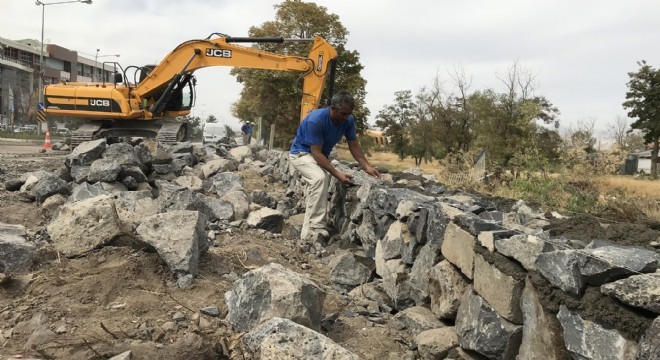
(149, 106)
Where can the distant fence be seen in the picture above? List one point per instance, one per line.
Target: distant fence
(477, 174)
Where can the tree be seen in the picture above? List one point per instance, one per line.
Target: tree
(549, 145)
(627, 139)
(395, 120)
(274, 96)
(618, 131)
(643, 103)
(582, 138)
(211, 119)
(420, 133)
(463, 134)
(507, 121)
(635, 141)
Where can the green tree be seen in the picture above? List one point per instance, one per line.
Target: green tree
(507, 122)
(435, 124)
(395, 120)
(211, 119)
(451, 114)
(274, 96)
(421, 134)
(635, 141)
(643, 104)
(548, 146)
(627, 139)
(584, 140)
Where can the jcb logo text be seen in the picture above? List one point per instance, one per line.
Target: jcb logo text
(99, 102)
(218, 53)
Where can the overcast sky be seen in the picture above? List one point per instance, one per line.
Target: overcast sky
(579, 50)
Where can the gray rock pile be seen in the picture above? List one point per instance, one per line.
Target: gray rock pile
(510, 289)
(448, 269)
(169, 198)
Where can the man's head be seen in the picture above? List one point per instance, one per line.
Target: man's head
(341, 106)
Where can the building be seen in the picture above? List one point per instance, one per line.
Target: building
(19, 75)
(379, 137)
(637, 163)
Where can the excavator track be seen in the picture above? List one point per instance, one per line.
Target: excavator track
(167, 132)
(172, 132)
(85, 133)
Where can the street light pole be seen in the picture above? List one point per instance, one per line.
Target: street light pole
(41, 53)
(96, 64)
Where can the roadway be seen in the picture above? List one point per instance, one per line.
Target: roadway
(13, 146)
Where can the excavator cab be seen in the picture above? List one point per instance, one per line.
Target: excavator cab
(182, 97)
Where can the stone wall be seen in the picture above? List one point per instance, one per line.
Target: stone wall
(494, 277)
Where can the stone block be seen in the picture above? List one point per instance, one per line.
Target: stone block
(500, 290)
(458, 248)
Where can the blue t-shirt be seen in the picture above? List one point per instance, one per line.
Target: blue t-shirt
(246, 128)
(318, 129)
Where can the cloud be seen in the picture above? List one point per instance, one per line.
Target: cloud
(580, 51)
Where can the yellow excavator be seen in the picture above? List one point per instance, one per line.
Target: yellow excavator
(149, 106)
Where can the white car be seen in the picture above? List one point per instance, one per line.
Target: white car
(28, 128)
(213, 132)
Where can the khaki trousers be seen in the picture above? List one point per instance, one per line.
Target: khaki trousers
(316, 193)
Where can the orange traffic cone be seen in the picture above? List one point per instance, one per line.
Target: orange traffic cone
(47, 144)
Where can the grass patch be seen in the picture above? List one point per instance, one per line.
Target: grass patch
(621, 198)
(21, 135)
(638, 187)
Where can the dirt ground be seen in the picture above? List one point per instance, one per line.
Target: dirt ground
(122, 298)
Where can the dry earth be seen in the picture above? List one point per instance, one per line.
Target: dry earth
(122, 298)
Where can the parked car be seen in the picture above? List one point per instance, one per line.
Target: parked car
(28, 128)
(213, 132)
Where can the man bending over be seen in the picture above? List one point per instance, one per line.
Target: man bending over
(318, 133)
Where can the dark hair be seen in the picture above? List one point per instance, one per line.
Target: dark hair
(342, 98)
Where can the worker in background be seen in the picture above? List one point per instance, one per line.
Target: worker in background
(246, 129)
(318, 133)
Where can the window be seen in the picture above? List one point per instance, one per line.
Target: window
(26, 57)
(55, 64)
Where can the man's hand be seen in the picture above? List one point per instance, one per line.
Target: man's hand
(372, 171)
(345, 178)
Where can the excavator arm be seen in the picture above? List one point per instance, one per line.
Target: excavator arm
(222, 51)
